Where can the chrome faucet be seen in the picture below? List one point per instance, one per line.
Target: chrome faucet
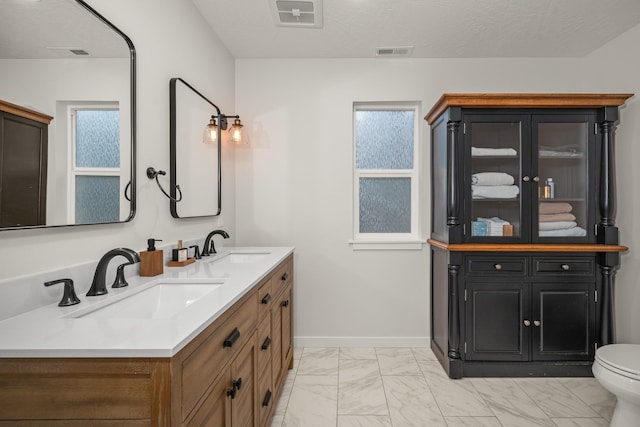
(98, 286)
(206, 250)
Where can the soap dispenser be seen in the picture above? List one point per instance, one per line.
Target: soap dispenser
(151, 260)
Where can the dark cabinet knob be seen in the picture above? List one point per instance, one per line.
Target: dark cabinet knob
(232, 338)
(284, 278)
(266, 343)
(266, 299)
(267, 398)
(237, 384)
(231, 392)
(285, 303)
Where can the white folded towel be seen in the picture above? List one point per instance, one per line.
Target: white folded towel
(494, 191)
(480, 151)
(556, 225)
(491, 178)
(567, 232)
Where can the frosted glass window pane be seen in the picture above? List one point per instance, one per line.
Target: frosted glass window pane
(97, 199)
(98, 138)
(385, 205)
(384, 139)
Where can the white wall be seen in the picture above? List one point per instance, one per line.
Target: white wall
(294, 185)
(172, 40)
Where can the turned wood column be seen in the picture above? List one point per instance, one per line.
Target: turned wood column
(607, 315)
(453, 187)
(454, 315)
(607, 178)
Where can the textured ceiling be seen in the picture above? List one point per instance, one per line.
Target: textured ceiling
(437, 28)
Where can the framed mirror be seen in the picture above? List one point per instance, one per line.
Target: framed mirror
(67, 105)
(196, 165)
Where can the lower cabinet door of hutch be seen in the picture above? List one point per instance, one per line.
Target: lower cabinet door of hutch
(496, 316)
(563, 321)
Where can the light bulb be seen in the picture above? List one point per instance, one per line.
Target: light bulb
(210, 135)
(236, 133)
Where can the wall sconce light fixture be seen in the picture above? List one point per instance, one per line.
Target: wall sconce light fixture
(213, 132)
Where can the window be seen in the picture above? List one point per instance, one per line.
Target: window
(94, 179)
(386, 175)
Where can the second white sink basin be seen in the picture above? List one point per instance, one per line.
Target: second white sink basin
(161, 301)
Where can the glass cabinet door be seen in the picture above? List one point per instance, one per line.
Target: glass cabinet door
(562, 144)
(493, 186)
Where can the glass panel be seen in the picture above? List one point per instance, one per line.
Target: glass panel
(495, 179)
(384, 139)
(385, 205)
(97, 199)
(562, 168)
(98, 138)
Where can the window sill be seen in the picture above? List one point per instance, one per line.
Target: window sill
(376, 245)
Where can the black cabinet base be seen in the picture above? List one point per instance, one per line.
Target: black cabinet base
(457, 368)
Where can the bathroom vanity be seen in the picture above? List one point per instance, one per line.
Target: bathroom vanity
(204, 345)
(524, 245)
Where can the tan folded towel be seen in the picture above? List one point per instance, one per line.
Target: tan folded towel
(557, 217)
(554, 208)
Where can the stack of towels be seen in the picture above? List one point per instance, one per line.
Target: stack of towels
(493, 185)
(556, 220)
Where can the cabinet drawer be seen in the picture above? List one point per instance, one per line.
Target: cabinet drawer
(265, 298)
(497, 265)
(202, 366)
(565, 266)
(282, 277)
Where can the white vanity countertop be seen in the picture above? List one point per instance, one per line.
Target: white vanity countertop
(54, 331)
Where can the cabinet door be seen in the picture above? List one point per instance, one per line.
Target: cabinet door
(496, 147)
(243, 379)
(215, 411)
(563, 320)
(564, 165)
(497, 321)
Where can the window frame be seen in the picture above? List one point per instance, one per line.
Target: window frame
(411, 240)
(75, 171)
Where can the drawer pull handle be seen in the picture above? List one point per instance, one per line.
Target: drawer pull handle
(565, 267)
(498, 266)
(266, 343)
(231, 392)
(536, 322)
(284, 278)
(266, 299)
(285, 303)
(237, 384)
(267, 398)
(231, 339)
(527, 322)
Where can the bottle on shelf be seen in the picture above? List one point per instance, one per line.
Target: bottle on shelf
(549, 189)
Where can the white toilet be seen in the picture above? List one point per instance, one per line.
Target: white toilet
(617, 368)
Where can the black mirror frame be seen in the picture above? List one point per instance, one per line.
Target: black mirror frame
(173, 149)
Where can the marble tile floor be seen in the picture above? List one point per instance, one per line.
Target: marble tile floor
(406, 387)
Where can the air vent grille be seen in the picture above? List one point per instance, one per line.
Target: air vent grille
(296, 13)
(397, 51)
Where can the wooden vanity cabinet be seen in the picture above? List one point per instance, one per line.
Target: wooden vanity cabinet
(524, 246)
(231, 374)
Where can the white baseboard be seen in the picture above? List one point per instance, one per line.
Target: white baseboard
(361, 341)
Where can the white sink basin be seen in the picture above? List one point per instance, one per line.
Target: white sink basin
(161, 301)
(245, 257)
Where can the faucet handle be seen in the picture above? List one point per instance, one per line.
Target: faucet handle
(196, 252)
(69, 296)
(120, 281)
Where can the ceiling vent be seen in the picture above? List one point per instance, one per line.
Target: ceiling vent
(304, 14)
(397, 51)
